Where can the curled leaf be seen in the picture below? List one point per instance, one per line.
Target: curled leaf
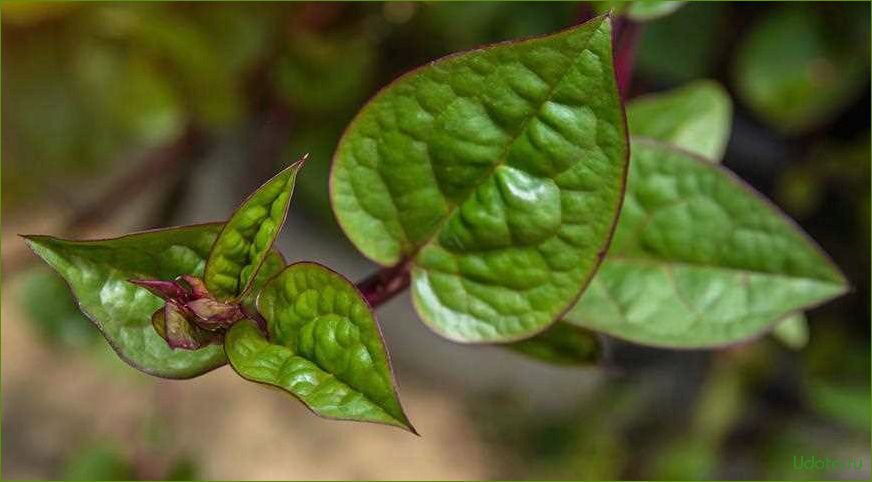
(173, 326)
(213, 315)
(167, 290)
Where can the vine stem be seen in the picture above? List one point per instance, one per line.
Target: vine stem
(626, 37)
(386, 283)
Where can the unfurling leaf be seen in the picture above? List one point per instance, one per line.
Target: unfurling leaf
(167, 290)
(214, 313)
(561, 344)
(325, 347)
(190, 309)
(696, 117)
(171, 324)
(699, 259)
(98, 274)
(497, 174)
(247, 237)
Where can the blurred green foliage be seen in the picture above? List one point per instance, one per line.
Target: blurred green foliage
(53, 311)
(683, 46)
(798, 66)
(97, 462)
(103, 460)
(792, 331)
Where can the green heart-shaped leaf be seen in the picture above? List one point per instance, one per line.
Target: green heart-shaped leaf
(98, 274)
(695, 117)
(246, 239)
(561, 344)
(497, 174)
(699, 259)
(325, 347)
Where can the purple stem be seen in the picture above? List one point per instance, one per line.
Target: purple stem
(384, 284)
(626, 36)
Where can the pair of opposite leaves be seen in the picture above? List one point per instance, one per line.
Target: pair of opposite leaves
(497, 175)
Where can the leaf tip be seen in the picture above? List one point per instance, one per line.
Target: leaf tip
(30, 239)
(34, 242)
(298, 164)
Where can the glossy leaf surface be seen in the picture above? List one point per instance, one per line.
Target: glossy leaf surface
(325, 347)
(246, 239)
(696, 117)
(497, 173)
(699, 259)
(98, 274)
(561, 344)
(53, 311)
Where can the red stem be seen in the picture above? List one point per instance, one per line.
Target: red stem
(384, 284)
(626, 37)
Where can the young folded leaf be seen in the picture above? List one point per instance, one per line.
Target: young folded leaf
(98, 274)
(247, 237)
(696, 117)
(172, 325)
(561, 344)
(699, 259)
(325, 347)
(497, 174)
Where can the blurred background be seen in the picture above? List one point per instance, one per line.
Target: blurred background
(119, 117)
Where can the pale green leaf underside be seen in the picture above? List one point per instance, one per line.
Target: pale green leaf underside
(498, 173)
(325, 347)
(699, 259)
(247, 237)
(696, 117)
(97, 272)
(561, 344)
